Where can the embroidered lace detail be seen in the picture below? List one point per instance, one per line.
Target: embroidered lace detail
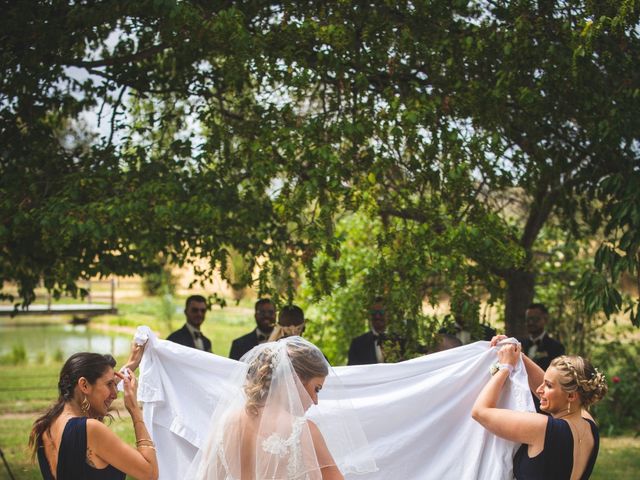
(276, 445)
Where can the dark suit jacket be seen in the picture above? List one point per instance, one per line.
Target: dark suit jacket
(243, 344)
(548, 349)
(183, 337)
(363, 350)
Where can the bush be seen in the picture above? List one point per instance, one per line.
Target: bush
(58, 355)
(40, 358)
(162, 281)
(17, 356)
(617, 412)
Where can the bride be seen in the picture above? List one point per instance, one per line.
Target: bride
(260, 430)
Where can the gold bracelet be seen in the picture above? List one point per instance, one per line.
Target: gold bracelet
(144, 440)
(147, 446)
(139, 421)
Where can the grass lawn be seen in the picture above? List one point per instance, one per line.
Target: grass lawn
(619, 459)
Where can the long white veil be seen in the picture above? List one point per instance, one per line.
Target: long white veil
(267, 427)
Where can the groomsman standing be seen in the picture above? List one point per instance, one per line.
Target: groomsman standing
(265, 316)
(539, 346)
(190, 335)
(367, 348)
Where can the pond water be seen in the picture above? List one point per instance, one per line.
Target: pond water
(51, 338)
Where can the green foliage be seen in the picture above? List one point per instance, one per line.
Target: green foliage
(561, 262)
(17, 356)
(58, 355)
(238, 273)
(160, 282)
(167, 310)
(617, 413)
(599, 287)
(40, 358)
(461, 128)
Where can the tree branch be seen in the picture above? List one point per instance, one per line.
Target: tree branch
(105, 62)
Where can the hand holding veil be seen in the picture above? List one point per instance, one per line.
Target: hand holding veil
(262, 428)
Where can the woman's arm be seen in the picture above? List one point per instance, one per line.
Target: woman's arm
(141, 462)
(327, 464)
(535, 374)
(521, 427)
(138, 463)
(135, 357)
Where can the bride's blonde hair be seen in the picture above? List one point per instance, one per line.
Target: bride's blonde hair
(306, 359)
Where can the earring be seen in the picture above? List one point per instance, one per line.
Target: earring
(85, 405)
(568, 408)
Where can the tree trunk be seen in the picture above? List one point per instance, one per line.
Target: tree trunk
(520, 291)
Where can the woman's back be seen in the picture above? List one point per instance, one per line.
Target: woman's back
(67, 454)
(266, 447)
(556, 461)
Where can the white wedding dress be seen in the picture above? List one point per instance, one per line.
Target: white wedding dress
(288, 450)
(259, 429)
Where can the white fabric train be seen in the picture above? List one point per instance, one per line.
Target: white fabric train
(415, 414)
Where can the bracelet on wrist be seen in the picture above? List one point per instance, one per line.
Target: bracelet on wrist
(496, 367)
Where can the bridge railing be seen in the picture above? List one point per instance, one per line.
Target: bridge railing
(100, 298)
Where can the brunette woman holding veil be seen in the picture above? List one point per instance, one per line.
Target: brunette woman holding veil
(70, 440)
(261, 429)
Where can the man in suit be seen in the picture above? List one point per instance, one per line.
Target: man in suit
(367, 348)
(265, 316)
(190, 335)
(539, 346)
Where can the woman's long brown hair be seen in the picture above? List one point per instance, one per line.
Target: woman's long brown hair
(84, 364)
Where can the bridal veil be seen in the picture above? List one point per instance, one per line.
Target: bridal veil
(267, 426)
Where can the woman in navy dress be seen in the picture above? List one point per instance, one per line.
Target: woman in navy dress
(561, 443)
(70, 440)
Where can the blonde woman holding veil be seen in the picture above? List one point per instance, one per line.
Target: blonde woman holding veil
(262, 430)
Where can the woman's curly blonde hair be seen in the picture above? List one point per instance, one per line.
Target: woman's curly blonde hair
(578, 375)
(306, 359)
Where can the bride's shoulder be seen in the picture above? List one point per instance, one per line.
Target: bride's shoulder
(239, 417)
(315, 431)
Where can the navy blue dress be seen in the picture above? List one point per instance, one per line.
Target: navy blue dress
(72, 456)
(555, 462)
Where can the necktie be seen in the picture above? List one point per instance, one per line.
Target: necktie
(198, 340)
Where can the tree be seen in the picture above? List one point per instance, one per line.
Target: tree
(259, 126)
(523, 101)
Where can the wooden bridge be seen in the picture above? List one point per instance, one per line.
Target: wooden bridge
(80, 311)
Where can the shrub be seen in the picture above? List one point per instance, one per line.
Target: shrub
(58, 355)
(18, 355)
(161, 281)
(617, 412)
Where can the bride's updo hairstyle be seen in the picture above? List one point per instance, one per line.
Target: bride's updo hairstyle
(578, 375)
(306, 359)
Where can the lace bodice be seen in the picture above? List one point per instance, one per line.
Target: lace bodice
(288, 449)
(282, 447)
